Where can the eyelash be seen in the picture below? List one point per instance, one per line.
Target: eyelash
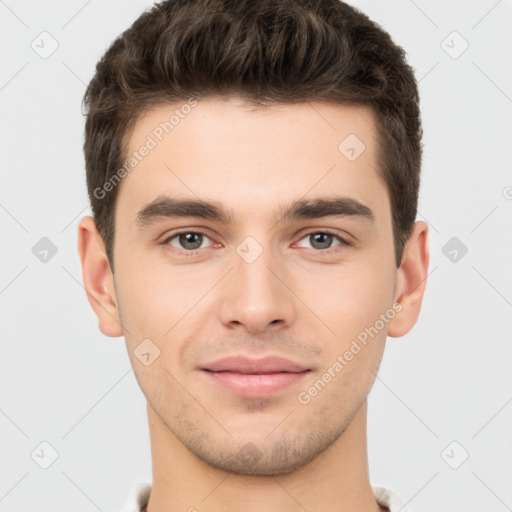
(343, 242)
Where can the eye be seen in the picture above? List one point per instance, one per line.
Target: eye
(322, 240)
(190, 242)
(187, 240)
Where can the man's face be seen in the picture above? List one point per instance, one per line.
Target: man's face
(261, 285)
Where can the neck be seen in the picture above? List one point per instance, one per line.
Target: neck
(335, 480)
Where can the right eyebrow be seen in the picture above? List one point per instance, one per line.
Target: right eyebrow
(169, 207)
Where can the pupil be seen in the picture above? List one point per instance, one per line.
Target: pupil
(188, 238)
(327, 240)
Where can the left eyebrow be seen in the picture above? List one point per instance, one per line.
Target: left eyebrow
(325, 207)
(170, 207)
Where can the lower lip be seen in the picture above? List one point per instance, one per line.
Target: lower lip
(255, 385)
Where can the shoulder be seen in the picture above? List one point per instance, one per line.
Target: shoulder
(388, 499)
(138, 498)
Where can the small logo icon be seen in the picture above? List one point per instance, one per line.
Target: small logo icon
(146, 352)
(454, 250)
(44, 455)
(454, 45)
(44, 45)
(44, 250)
(455, 455)
(351, 147)
(250, 454)
(249, 249)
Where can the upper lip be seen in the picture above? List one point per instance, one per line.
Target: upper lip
(243, 364)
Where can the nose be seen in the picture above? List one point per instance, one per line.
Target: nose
(256, 294)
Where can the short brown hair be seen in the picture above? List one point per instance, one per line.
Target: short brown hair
(284, 51)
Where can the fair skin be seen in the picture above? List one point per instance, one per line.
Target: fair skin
(303, 298)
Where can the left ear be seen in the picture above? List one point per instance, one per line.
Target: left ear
(411, 281)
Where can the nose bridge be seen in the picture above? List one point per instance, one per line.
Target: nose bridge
(256, 297)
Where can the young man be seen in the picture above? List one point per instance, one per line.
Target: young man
(253, 170)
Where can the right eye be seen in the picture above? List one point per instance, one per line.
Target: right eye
(189, 241)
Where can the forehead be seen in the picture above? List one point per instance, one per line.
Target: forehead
(252, 158)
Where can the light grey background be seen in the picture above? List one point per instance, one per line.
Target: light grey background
(449, 379)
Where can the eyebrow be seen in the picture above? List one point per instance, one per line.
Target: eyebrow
(170, 207)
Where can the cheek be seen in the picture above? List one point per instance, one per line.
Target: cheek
(348, 299)
(163, 307)
(152, 301)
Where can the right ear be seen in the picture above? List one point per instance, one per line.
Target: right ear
(98, 278)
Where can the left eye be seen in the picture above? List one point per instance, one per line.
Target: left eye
(322, 240)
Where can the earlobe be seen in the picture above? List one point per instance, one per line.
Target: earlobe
(411, 281)
(97, 277)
